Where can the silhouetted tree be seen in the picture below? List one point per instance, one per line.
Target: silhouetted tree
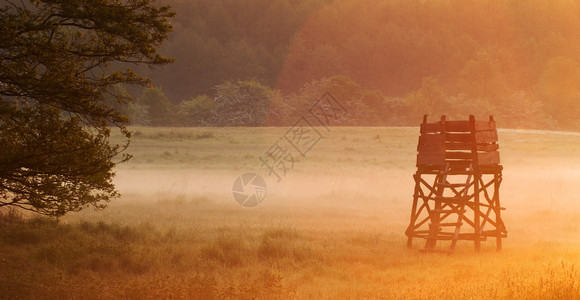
(56, 66)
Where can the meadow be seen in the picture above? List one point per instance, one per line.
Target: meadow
(331, 228)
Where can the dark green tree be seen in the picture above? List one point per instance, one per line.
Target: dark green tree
(197, 111)
(59, 59)
(157, 104)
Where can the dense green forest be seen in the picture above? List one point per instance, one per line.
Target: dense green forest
(388, 61)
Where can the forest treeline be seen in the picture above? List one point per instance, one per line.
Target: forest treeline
(390, 61)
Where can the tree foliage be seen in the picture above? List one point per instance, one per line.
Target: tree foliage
(559, 86)
(224, 40)
(198, 111)
(58, 61)
(483, 52)
(158, 106)
(241, 103)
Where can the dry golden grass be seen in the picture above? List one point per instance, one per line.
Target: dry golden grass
(332, 228)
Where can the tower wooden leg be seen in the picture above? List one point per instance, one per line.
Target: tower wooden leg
(410, 229)
(498, 221)
(476, 208)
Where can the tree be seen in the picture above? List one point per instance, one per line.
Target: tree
(138, 114)
(242, 103)
(349, 94)
(58, 60)
(430, 99)
(483, 78)
(559, 86)
(197, 111)
(157, 104)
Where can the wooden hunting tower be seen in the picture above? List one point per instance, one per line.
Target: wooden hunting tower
(457, 184)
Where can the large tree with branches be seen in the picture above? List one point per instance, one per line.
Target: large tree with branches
(59, 60)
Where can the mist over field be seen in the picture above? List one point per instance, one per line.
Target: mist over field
(329, 221)
(333, 227)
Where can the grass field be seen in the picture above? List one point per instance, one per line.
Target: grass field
(332, 228)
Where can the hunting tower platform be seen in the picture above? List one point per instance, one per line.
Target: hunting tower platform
(457, 183)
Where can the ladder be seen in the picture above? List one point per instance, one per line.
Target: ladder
(445, 207)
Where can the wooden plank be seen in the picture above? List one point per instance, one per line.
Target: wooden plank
(459, 146)
(459, 137)
(432, 153)
(488, 158)
(432, 139)
(459, 155)
(485, 125)
(457, 126)
(458, 167)
(439, 148)
(469, 146)
(488, 136)
(432, 127)
(490, 169)
(487, 147)
(430, 159)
